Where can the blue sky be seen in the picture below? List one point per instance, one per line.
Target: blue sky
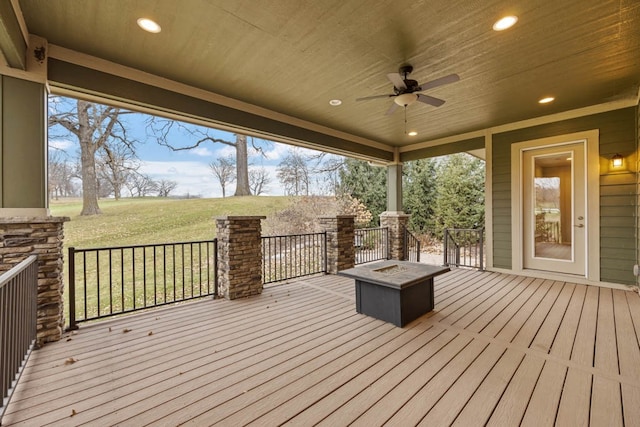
(190, 168)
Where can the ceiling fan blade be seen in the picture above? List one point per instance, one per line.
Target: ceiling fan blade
(397, 80)
(366, 98)
(436, 102)
(391, 109)
(451, 78)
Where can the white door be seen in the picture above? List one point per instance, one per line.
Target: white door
(554, 214)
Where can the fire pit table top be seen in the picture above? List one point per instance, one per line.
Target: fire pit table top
(394, 274)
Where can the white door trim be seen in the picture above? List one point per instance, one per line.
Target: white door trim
(592, 165)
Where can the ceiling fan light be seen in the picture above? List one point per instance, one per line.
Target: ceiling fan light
(405, 99)
(505, 23)
(149, 25)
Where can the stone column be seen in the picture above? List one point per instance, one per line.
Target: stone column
(341, 253)
(396, 223)
(21, 237)
(239, 256)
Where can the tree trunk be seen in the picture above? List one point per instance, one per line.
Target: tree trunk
(242, 167)
(88, 160)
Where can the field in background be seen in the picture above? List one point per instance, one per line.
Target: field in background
(156, 220)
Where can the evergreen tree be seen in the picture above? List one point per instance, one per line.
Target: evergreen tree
(420, 194)
(460, 193)
(366, 183)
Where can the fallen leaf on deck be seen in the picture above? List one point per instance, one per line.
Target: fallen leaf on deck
(125, 330)
(150, 333)
(70, 361)
(73, 412)
(68, 339)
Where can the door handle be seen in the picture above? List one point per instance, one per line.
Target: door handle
(579, 225)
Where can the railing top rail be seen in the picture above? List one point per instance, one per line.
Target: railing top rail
(466, 229)
(371, 229)
(15, 270)
(106, 248)
(295, 235)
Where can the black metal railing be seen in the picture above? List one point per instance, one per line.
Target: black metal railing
(295, 255)
(464, 247)
(18, 316)
(371, 244)
(104, 282)
(411, 247)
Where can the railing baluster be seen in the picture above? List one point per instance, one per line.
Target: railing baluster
(18, 313)
(164, 267)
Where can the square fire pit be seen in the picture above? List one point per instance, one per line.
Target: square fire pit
(397, 292)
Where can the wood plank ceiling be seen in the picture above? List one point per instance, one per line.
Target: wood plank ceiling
(293, 56)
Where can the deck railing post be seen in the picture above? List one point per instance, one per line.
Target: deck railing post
(446, 246)
(72, 289)
(482, 249)
(215, 268)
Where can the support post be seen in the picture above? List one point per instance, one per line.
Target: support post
(394, 187)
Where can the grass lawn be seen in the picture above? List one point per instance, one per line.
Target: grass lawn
(110, 281)
(156, 220)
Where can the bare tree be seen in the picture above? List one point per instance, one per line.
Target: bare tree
(115, 165)
(223, 169)
(161, 130)
(61, 175)
(94, 126)
(141, 185)
(165, 187)
(293, 173)
(258, 180)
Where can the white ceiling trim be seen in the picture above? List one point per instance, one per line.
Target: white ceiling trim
(551, 118)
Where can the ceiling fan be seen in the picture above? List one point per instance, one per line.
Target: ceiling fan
(406, 91)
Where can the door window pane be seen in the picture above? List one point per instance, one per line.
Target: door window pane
(552, 207)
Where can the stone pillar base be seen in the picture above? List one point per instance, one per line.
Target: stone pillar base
(341, 253)
(396, 223)
(239, 256)
(43, 237)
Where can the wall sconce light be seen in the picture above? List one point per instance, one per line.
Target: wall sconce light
(616, 161)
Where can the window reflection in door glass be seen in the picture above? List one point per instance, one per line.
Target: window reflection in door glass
(552, 206)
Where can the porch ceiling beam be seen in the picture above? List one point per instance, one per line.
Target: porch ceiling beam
(12, 43)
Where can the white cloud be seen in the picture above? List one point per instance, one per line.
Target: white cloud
(61, 144)
(195, 178)
(202, 152)
(226, 151)
(192, 177)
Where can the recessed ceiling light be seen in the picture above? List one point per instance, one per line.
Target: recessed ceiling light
(546, 100)
(504, 23)
(412, 133)
(335, 102)
(149, 25)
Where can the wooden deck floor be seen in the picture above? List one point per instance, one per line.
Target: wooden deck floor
(499, 350)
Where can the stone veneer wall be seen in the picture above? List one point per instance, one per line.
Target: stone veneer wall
(341, 253)
(43, 237)
(396, 223)
(239, 256)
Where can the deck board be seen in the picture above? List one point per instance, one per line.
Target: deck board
(497, 349)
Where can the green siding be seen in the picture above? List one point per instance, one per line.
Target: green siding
(618, 192)
(23, 153)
